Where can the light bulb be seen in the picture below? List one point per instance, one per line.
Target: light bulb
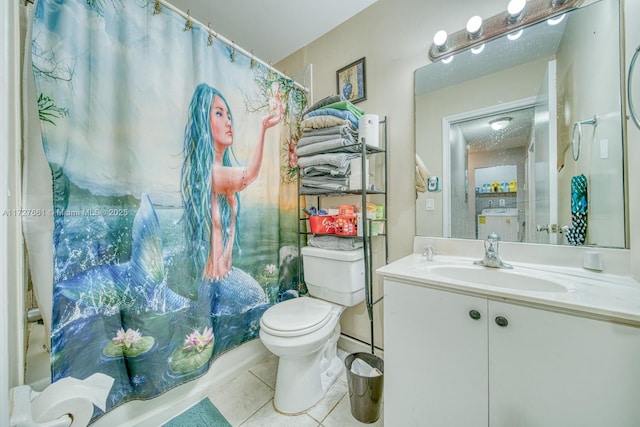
(555, 20)
(514, 9)
(501, 123)
(474, 26)
(515, 35)
(440, 40)
(477, 49)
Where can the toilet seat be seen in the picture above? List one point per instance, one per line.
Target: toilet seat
(296, 317)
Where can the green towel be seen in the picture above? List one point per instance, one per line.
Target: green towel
(347, 106)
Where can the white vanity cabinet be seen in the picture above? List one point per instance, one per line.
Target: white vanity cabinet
(458, 360)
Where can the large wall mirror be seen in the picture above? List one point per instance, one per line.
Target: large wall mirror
(526, 135)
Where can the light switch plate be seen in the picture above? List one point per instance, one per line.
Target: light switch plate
(430, 205)
(604, 148)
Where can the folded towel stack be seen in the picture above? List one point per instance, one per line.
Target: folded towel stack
(328, 145)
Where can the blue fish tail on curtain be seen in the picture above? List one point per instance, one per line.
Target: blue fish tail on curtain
(175, 213)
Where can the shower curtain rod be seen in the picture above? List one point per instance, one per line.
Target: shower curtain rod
(226, 41)
(222, 39)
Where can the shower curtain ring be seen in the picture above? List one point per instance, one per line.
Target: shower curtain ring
(210, 40)
(252, 64)
(187, 26)
(233, 51)
(157, 9)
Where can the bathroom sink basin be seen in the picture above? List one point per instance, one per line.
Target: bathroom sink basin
(497, 277)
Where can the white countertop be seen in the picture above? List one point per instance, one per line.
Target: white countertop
(592, 294)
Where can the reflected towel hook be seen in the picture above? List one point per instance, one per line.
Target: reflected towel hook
(578, 125)
(632, 110)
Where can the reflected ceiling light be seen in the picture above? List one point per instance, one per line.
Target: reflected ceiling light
(440, 40)
(514, 9)
(476, 50)
(474, 27)
(447, 59)
(501, 123)
(515, 35)
(555, 20)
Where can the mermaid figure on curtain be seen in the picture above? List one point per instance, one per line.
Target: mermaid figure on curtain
(210, 186)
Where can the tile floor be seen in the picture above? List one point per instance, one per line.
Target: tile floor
(247, 401)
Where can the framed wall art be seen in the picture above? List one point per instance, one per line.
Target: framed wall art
(351, 81)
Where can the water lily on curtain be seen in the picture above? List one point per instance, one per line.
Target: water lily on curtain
(174, 192)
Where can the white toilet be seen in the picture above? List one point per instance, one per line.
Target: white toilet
(304, 331)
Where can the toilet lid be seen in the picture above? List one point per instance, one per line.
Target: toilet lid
(297, 316)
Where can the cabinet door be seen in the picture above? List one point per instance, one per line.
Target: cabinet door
(548, 369)
(435, 358)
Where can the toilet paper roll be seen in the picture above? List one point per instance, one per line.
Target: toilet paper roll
(73, 397)
(369, 129)
(355, 177)
(355, 166)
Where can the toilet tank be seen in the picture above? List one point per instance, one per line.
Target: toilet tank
(335, 276)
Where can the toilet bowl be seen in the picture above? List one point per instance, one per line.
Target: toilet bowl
(304, 331)
(307, 347)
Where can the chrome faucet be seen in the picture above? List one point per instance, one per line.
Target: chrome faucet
(491, 256)
(429, 251)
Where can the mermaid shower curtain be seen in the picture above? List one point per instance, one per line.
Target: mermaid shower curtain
(173, 192)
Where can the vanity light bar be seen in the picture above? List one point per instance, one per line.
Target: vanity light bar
(533, 11)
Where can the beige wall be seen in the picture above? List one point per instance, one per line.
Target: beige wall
(394, 36)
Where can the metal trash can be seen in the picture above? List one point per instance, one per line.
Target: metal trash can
(365, 393)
